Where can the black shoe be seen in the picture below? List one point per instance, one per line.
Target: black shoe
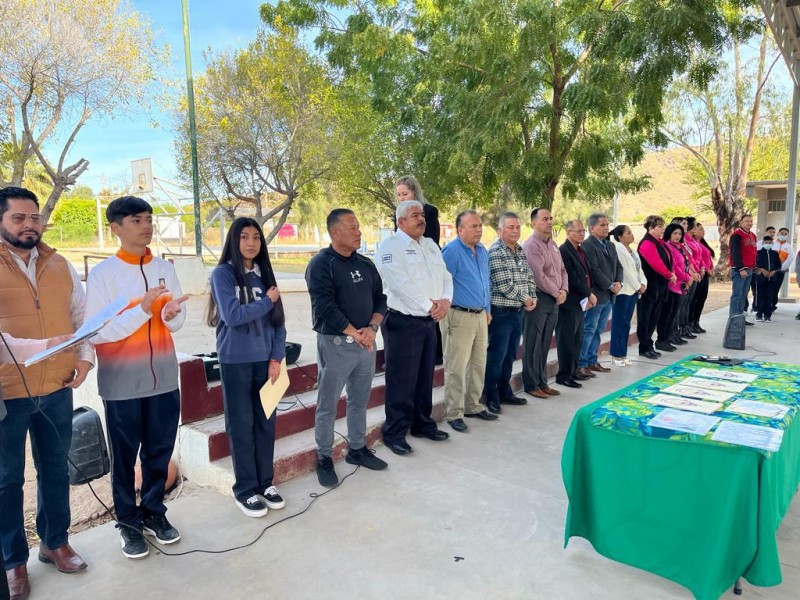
(797, 317)
(366, 458)
(326, 474)
(514, 401)
(133, 542)
(650, 354)
(697, 328)
(486, 416)
(494, 407)
(570, 383)
(749, 324)
(665, 346)
(687, 333)
(580, 377)
(437, 435)
(161, 529)
(677, 341)
(399, 448)
(458, 425)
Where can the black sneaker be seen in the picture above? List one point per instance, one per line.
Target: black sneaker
(252, 506)
(158, 527)
(133, 542)
(325, 472)
(273, 499)
(366, 458)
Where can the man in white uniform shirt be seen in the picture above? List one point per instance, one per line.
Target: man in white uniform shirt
(418, 291)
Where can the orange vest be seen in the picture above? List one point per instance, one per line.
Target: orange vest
(40, 313)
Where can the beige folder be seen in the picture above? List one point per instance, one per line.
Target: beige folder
(271, 393)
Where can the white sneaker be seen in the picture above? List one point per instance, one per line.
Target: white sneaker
(253, 506)
(273, 499)
(627, 361)
(618, 362)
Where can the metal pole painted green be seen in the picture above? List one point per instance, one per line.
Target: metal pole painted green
(198, 233)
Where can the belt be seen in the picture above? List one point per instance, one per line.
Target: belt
(497, 308)
(474, 311)
(402, 314)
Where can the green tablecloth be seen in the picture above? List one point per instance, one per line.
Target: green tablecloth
(698, 512)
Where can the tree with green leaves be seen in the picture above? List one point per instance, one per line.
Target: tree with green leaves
(269, 126)
(719, 125)
(529, 94)
(62, 63)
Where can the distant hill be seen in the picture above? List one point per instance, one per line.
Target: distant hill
(668, 188)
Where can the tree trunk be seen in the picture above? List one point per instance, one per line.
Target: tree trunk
(47, 210)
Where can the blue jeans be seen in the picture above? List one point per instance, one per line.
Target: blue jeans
(621, 323)
(593, 325)
(739, 290)
(49, 447)
(505, 330)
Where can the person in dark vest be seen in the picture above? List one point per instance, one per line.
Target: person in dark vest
(657, 267)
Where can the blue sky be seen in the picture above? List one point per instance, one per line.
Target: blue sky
(110, 145)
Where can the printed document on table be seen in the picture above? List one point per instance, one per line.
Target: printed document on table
(679, 420)
(714, 384)
(84, 332)
(728, 375)
(683, 403)
(693, 392)
(753, 436)
(760, 409)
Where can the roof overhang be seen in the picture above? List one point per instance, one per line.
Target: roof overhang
(783, 17)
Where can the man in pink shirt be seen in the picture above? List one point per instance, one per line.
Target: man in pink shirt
(552, 287)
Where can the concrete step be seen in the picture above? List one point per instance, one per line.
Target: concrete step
(205, 455)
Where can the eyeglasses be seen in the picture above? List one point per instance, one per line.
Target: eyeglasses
(20, 218)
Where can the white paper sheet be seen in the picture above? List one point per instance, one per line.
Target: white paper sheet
(683, 403)
(761, 409)
(753, 436)
(728, 375)
(694, 392)
(679, 420)
(84, 332)
(714, 384)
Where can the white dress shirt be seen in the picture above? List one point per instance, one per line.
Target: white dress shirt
(413, 274)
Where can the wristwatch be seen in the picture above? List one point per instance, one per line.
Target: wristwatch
(374, 327)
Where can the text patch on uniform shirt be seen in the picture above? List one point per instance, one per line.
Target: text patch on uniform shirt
(387, 258)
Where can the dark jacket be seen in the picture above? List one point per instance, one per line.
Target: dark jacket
(343, 289)
(604, 267)
(657, 266)
(577, 276)
(769, 260)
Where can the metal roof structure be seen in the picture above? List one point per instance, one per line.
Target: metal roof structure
(783, 17)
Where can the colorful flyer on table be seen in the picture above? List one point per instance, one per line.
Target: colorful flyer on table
(694, 392)
(760, 409)
(683, 403)
(679, 420)
(728, 375)
(714, 384)
(753, 436)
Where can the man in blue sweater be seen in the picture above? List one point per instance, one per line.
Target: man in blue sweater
(348, 305)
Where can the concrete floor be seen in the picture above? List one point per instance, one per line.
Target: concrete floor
(479, 516)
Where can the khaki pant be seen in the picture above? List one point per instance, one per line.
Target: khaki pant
(465, 339)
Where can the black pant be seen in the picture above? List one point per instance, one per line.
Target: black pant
(648, 312)
(146, 426)
(537, 334)
(410, 348)
(666, 321)
(766, 290)
(569, 337)
(682, 316)
(778, 277)
(250, 433)
(699, 300)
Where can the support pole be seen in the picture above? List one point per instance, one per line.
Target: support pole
(791, 184)
(198, 234)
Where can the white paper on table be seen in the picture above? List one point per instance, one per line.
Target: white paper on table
(679, 420)
(753, 436)
(584, 302)
(84, 332)
(728, 375)
(694, 392)
(714, 384)
(683, 403)
(760, 409)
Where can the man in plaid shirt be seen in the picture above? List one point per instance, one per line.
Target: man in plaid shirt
(512, 291)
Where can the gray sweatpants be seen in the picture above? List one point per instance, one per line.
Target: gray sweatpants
(342, 364)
